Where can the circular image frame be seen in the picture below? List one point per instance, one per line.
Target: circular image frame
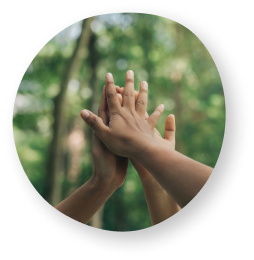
(211, 200)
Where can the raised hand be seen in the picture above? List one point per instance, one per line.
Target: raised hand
(109, 174)
(128, 130)
(110, 168)
(129, 134)
(169, 140)
(160, 204)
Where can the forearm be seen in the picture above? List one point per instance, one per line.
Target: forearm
(160, 205)
(86, 201)
(179, 175)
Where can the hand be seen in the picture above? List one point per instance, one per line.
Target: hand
(169, 136)
(128, 131)
(110, 168)
(160, 204)
(169, 139)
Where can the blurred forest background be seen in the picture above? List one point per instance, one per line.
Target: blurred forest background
(67, 75)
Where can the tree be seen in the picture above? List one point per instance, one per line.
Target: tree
(55, 172)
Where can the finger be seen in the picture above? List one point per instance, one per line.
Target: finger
(102, 111)
(170, 129)
(146, 116)
(95, 123)
(96, 140)
(154, 117)
(121, 90)
(111, 94)
(120, 98)
(118, 89)
(128, 93)
(136, 96)
(142, 99)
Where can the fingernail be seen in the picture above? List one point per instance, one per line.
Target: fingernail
(85, 114)
(109, 75)
(130, 73)
(144, 85)
(161, 107)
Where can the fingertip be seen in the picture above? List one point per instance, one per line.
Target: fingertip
(129, 76)
(161, 107)
(109, 75)
(109, 78)
(84, 114)
(170, 122)
(144, 85)
(130, 73)
(170, 117)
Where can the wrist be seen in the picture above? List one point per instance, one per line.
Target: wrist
(104, 186)
(141, 145)
(145, 145)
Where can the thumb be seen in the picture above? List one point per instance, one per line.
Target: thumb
(94, 122)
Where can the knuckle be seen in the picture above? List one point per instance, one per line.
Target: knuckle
(94, 121)
(141, 103)
(158, 112)
(111, 94)
(156, 115)
(101, 110)
(115, 112)
(130, 79)
(129, 93)
(144, 90)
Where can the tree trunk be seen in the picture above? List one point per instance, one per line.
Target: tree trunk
(97, 219)
(76, 145)
(176, 77)
(55, 174)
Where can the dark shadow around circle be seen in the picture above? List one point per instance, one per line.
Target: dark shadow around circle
(211, 200)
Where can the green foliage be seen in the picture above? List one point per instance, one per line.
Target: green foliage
(179, 70)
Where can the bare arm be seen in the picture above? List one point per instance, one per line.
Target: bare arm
(109, 174)
(129, 134)
(82, 204)
(160, 204)
(179, 175)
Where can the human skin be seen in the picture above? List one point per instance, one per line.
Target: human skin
(109, 174)
(160, 204)
(130, 135)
